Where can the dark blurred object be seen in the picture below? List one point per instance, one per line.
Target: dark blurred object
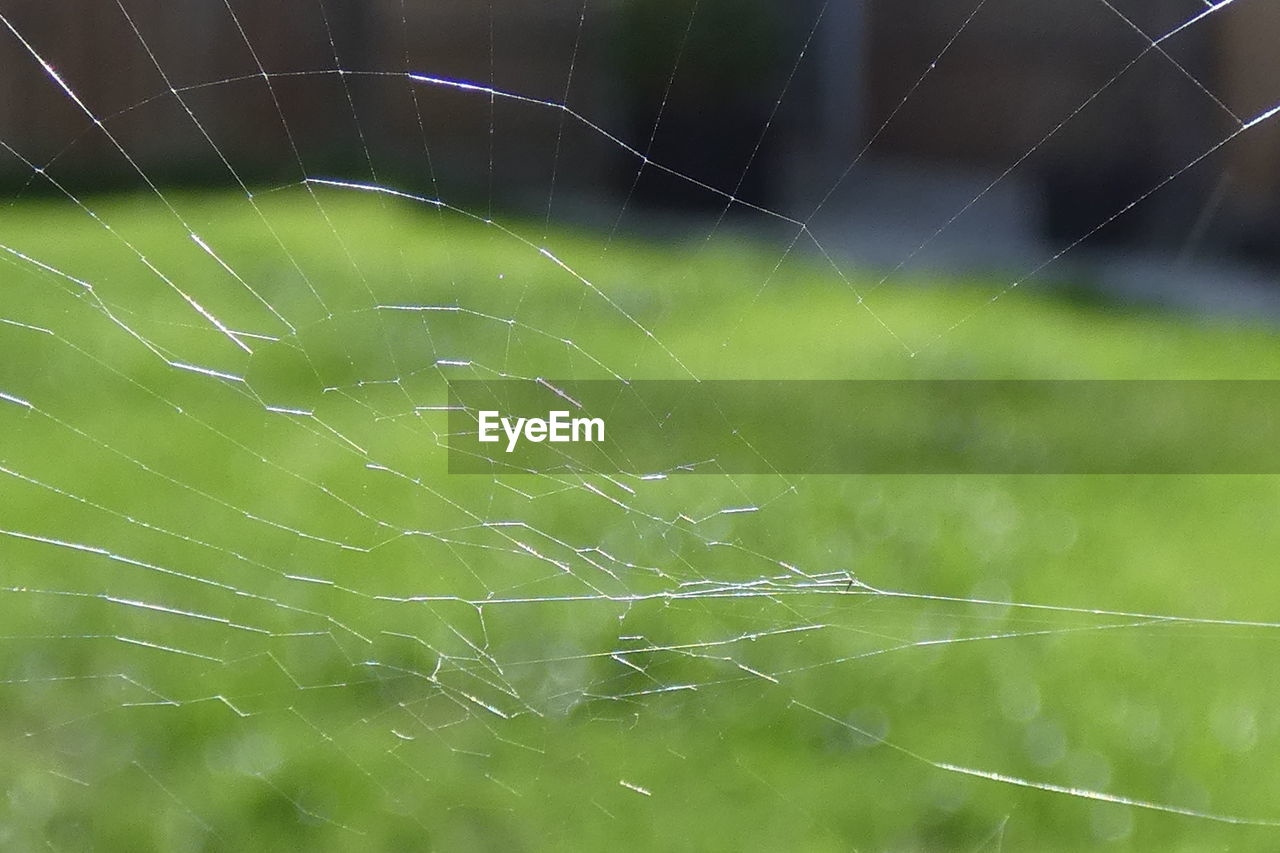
(121, 61)
(1079, 201)
(1102, 102)
(1075, 99)
(699, 82)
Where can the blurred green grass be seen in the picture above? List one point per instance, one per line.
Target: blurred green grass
(176, 678)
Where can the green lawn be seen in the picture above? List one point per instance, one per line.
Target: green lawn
(227, 627)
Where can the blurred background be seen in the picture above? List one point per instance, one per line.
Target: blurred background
(1030, 123)
(245, 246)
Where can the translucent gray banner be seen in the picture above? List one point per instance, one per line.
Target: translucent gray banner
(866, 427)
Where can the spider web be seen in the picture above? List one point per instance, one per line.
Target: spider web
(238, 581)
